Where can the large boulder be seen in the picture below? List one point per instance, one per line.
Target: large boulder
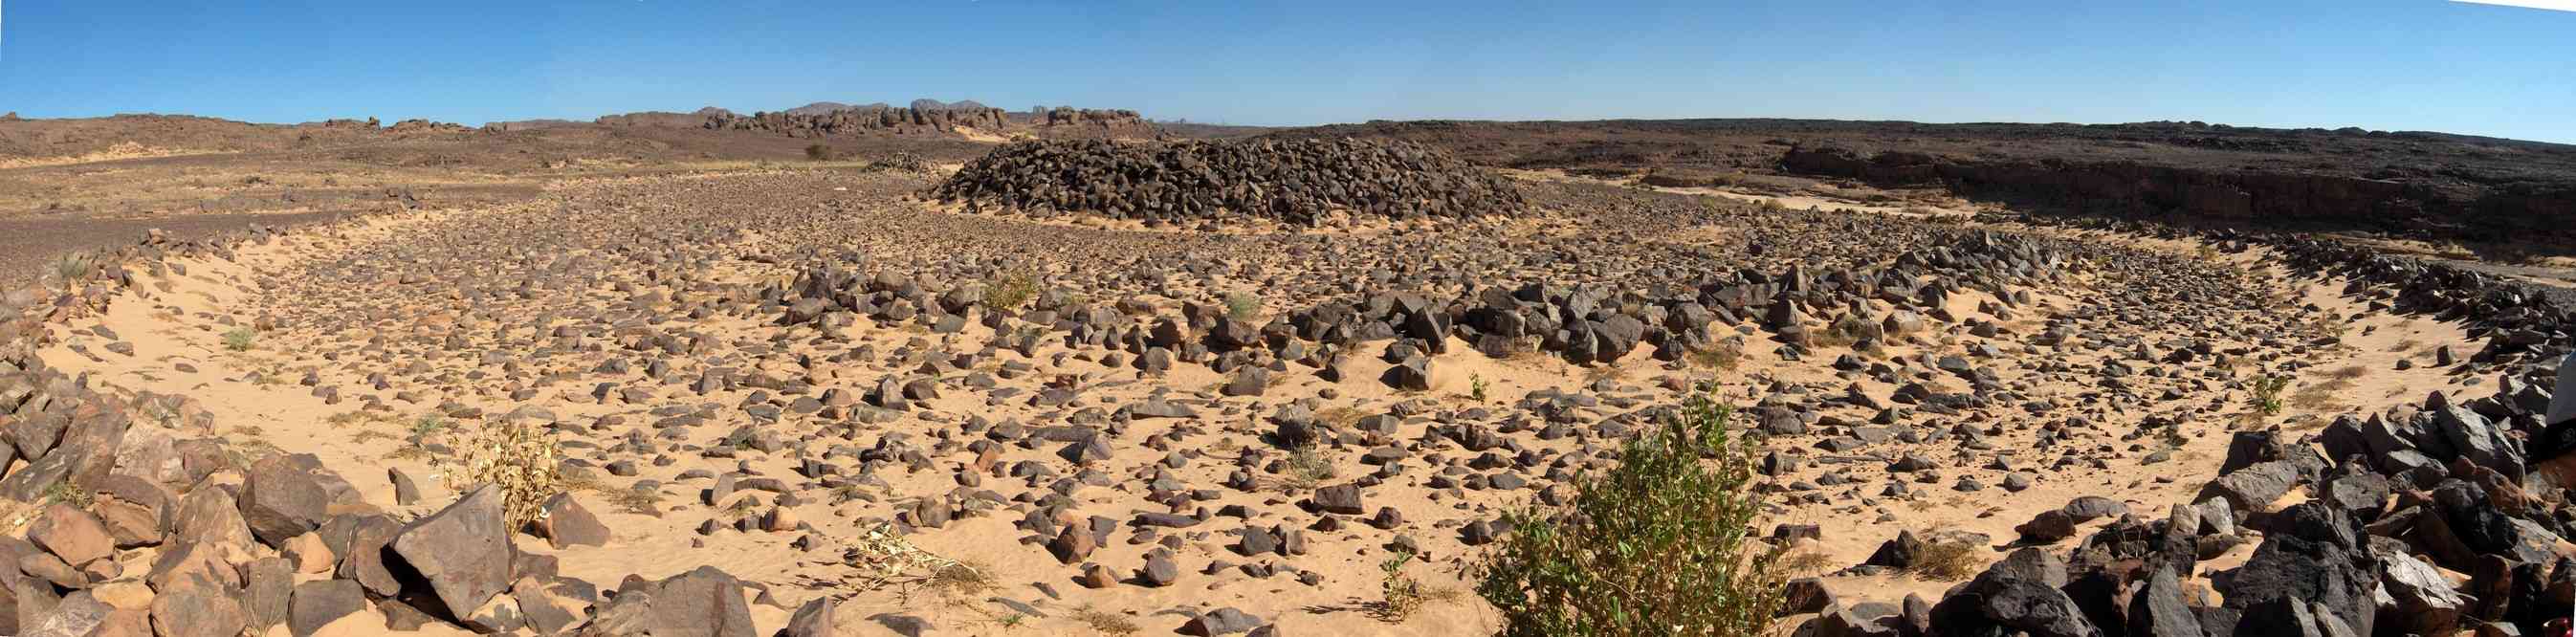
(705, 602)
(2020, 593)
(462, 554)
(281, 499)
(2311, 554)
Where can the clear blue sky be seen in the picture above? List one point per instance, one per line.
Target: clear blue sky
(2411, 65)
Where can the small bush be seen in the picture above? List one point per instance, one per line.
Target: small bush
(516, 455)
(1242, 306)
(2267, 394)
(72, 267)
(66, 492)
(1946, 560)
(1660, 545)
(1307, 467)
(818, 152)
(427, 425)
(1720, 357)
(1402, 594)
(241, 339)
(1476, 388)
(1008, 291)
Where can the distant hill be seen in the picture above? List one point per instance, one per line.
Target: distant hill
(928, 104)
(819, 108)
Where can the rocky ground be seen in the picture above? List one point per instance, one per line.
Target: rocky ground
(820, 402)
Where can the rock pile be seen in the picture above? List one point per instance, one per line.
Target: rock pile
(1299, 182)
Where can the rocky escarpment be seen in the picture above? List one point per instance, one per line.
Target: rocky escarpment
(2449, 205)
(1299, 182)
(921, 119)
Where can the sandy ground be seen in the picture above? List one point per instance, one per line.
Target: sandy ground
(177, 324)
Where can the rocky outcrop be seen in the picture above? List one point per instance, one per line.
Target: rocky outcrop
(855, 121)
(932, 117)
(2281, 198)
(664, 119)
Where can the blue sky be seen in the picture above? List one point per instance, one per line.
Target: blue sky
(2398, 65)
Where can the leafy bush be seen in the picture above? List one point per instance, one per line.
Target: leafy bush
(1307, 468)
(1009, 291)
(515, 454)
(1241, 306)
(2267, 394)
(241, 339)
(1660, 545)
(72, 267)
(818, 152)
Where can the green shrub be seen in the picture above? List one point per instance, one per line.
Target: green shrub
(72, 267)
(241, 339)
(1008, 291)
(1660, 545)
(1242, 306)
(2267, 394)
(1402, 594)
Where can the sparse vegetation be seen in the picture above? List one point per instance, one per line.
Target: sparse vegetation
(514, 454)
(884, 558)
(1104, 621)
(72, 267)
(1476, 388)
(241, 339)
(819, 152)
(1805, 562)
(1307, 467)
(2267, 394)
(68, 493)
(1401, 594)
(1241, 306)
(636, 501)
(1659, 545)
(961, 578)
(1009, 290)
(1842, 332)
(1340, 416)
(1946, 560)
(428, 425)
(1720, 358)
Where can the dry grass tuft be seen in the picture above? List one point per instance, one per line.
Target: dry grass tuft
(1105, 622)
(1806, 562)
(1721, 358)
(1307, 468)
(1947, 560)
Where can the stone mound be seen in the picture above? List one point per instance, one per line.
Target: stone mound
(1301, 182)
